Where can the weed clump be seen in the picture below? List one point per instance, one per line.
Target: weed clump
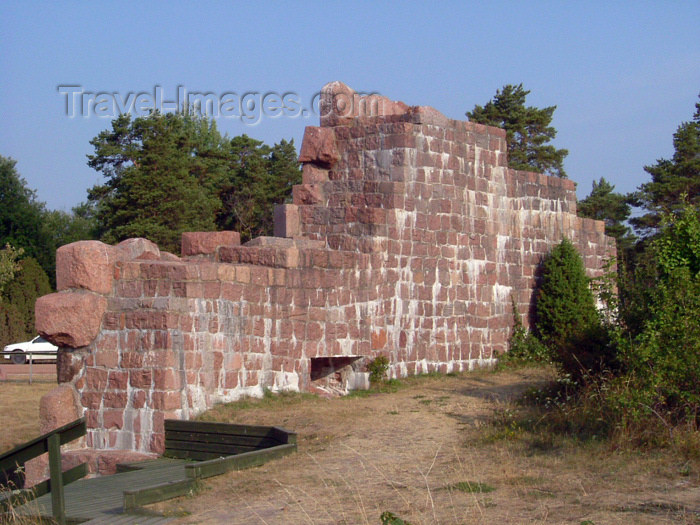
(377, 368)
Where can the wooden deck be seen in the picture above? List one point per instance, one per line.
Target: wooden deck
(101, 500)
(196, 450)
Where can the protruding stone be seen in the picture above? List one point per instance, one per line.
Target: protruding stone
(429, 115)
(131, 249)
(309, 194)
(85, 264)
(337, 100)
(340, 104)
(169, 257)
(69, 363)
(70, 318)
(313, 174)
(319, 147)
(206, 243)
(287, 222)
(57, 408)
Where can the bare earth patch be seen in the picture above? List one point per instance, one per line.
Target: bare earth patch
(420, 453)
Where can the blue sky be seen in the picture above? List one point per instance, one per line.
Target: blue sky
(623, 75)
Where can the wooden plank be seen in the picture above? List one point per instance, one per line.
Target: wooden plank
(192, 455)
(87, 497)
(284, 436)
(150, 464)
(215, 467)
(127, 519)
(155, 480)
(216, 447)
(212, 449)
(69, 476)
(217, 428)
(172, 449)
(228, 439)
(154, 493)
(57, 503)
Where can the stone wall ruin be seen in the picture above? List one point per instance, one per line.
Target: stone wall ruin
(407, 238)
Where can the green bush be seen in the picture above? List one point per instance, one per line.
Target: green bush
(11, 324)
(30, 283)
(565, 305)
(377, 369)
(567, 320)
(664, 359)
(523, 346)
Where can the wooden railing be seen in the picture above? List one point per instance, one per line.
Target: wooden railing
(13, 461)
(215, 448)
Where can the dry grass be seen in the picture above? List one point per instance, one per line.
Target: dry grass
(19, 422)
(428, 454)
(19, 411)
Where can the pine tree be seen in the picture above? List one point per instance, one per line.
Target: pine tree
(565, 302)
(171, 173)
(528, 130)
(673, 181)
(603, 204)
(11, 325)
(259, 177)
(162, 173)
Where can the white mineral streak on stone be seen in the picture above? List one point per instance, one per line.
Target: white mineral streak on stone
(501, 241)
(474, 268)
(502, 298)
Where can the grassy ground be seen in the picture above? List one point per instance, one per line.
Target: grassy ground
(430, 452)
(19, 411)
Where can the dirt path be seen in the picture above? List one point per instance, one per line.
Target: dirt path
(410, 452)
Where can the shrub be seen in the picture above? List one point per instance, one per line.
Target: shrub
(567, 320)
(664, 360)
(565, 305)
(29, 283)
(523, 346)
(378, 368)
(11, 324)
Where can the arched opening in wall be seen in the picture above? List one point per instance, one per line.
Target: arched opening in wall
(337, 375)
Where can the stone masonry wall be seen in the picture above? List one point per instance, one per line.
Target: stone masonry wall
(407, 238)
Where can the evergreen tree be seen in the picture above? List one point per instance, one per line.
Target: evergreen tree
(21, 215)
(604, 205)
(671, 179)
(162, 172)
(528, 130)
(30, 283)
(565, 302)
(11, 325)
(171, 173)
(567, 320)
(259, 177)
(9, 265)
